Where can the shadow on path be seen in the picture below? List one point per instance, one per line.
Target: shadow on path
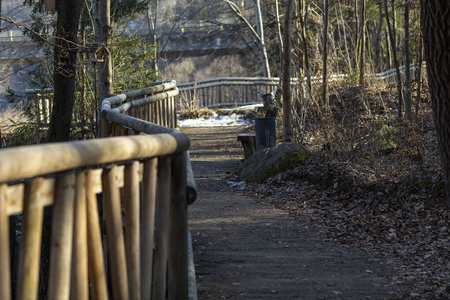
(246, 249)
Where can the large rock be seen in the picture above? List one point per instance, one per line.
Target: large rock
(271, 161)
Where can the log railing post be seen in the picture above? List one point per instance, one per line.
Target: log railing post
(96, 262)
(30, 248)
(79, 277)
(114, 230)
(5, 279)
(62, 237)
(132, 229)
(149, 182)
(162, 224)
(178, 240)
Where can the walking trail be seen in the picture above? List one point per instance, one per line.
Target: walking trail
(246, 249)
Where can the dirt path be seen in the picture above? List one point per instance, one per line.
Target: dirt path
(246, 249)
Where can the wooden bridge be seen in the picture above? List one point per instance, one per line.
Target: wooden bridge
(139, 174)
(120, 202)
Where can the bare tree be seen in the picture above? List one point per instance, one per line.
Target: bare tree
(377, 39)
(65, 61)
(287, 95)
(103, 35)
(407, 65)
(259, 35)
(362, 43)
(152, 19)
(435, 23)
(324, 57)
(262, 43)
(394, 53)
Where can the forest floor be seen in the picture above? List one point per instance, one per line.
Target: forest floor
(371, 183)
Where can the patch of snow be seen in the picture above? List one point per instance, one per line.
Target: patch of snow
(215, 120)
(253, 106)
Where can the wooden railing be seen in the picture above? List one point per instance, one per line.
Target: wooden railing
(225, 91)
(142, 184)
(234, 91)
(140, 111)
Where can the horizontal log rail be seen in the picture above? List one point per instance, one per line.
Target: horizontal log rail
(153, 111)
(137, 186)
(234, 91)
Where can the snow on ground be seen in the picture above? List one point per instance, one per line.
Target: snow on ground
(216, 120)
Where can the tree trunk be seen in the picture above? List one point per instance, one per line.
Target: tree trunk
(435, 23)
(287, 114)
(325, 54)
(362, 28)
(377, 40)
(262, 45)
(64, 77)
(302, 18)
(152, 19)
(279, 36)
(419, 73)
(64, 74)
(103, 36)
(407, 66)
(394, 54)
(389, 61)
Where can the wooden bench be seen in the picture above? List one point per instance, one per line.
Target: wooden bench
(249, 143)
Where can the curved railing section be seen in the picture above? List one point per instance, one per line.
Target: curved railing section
(119, 226)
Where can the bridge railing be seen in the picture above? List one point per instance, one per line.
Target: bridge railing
(229, 91)
(225, 91)
(141, 182)
(140, 110)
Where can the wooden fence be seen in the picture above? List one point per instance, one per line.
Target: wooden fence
(225, 91)
(235, 91)
(142, 184)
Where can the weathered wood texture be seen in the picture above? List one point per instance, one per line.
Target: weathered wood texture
(76, 247)
(226, 91)
(141, 183)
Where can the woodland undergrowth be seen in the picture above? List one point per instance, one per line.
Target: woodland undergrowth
(373, 182)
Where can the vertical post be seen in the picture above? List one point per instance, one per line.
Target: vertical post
(106, 129)
(62, 237)
(148, 225)
(79, 278)
(162, 226)
(132, 232)
(30, 249)
(96, 262)
(178, 251)
(114, 229)
(5, 279)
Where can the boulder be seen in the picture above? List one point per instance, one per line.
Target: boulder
(271, 161)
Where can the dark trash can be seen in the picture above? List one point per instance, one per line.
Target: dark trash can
(265, 131)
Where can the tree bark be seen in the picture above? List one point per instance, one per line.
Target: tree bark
(65, 60)
(279, 36)
(362, 34)
(103, 36)
(407, 66)
(303, 13)
(435, 23)
(287, 114)
(262, 45)
(394, 54)
(418, 76)
(152, 19)
(377, 40)
(64, 77)
(325, 54)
